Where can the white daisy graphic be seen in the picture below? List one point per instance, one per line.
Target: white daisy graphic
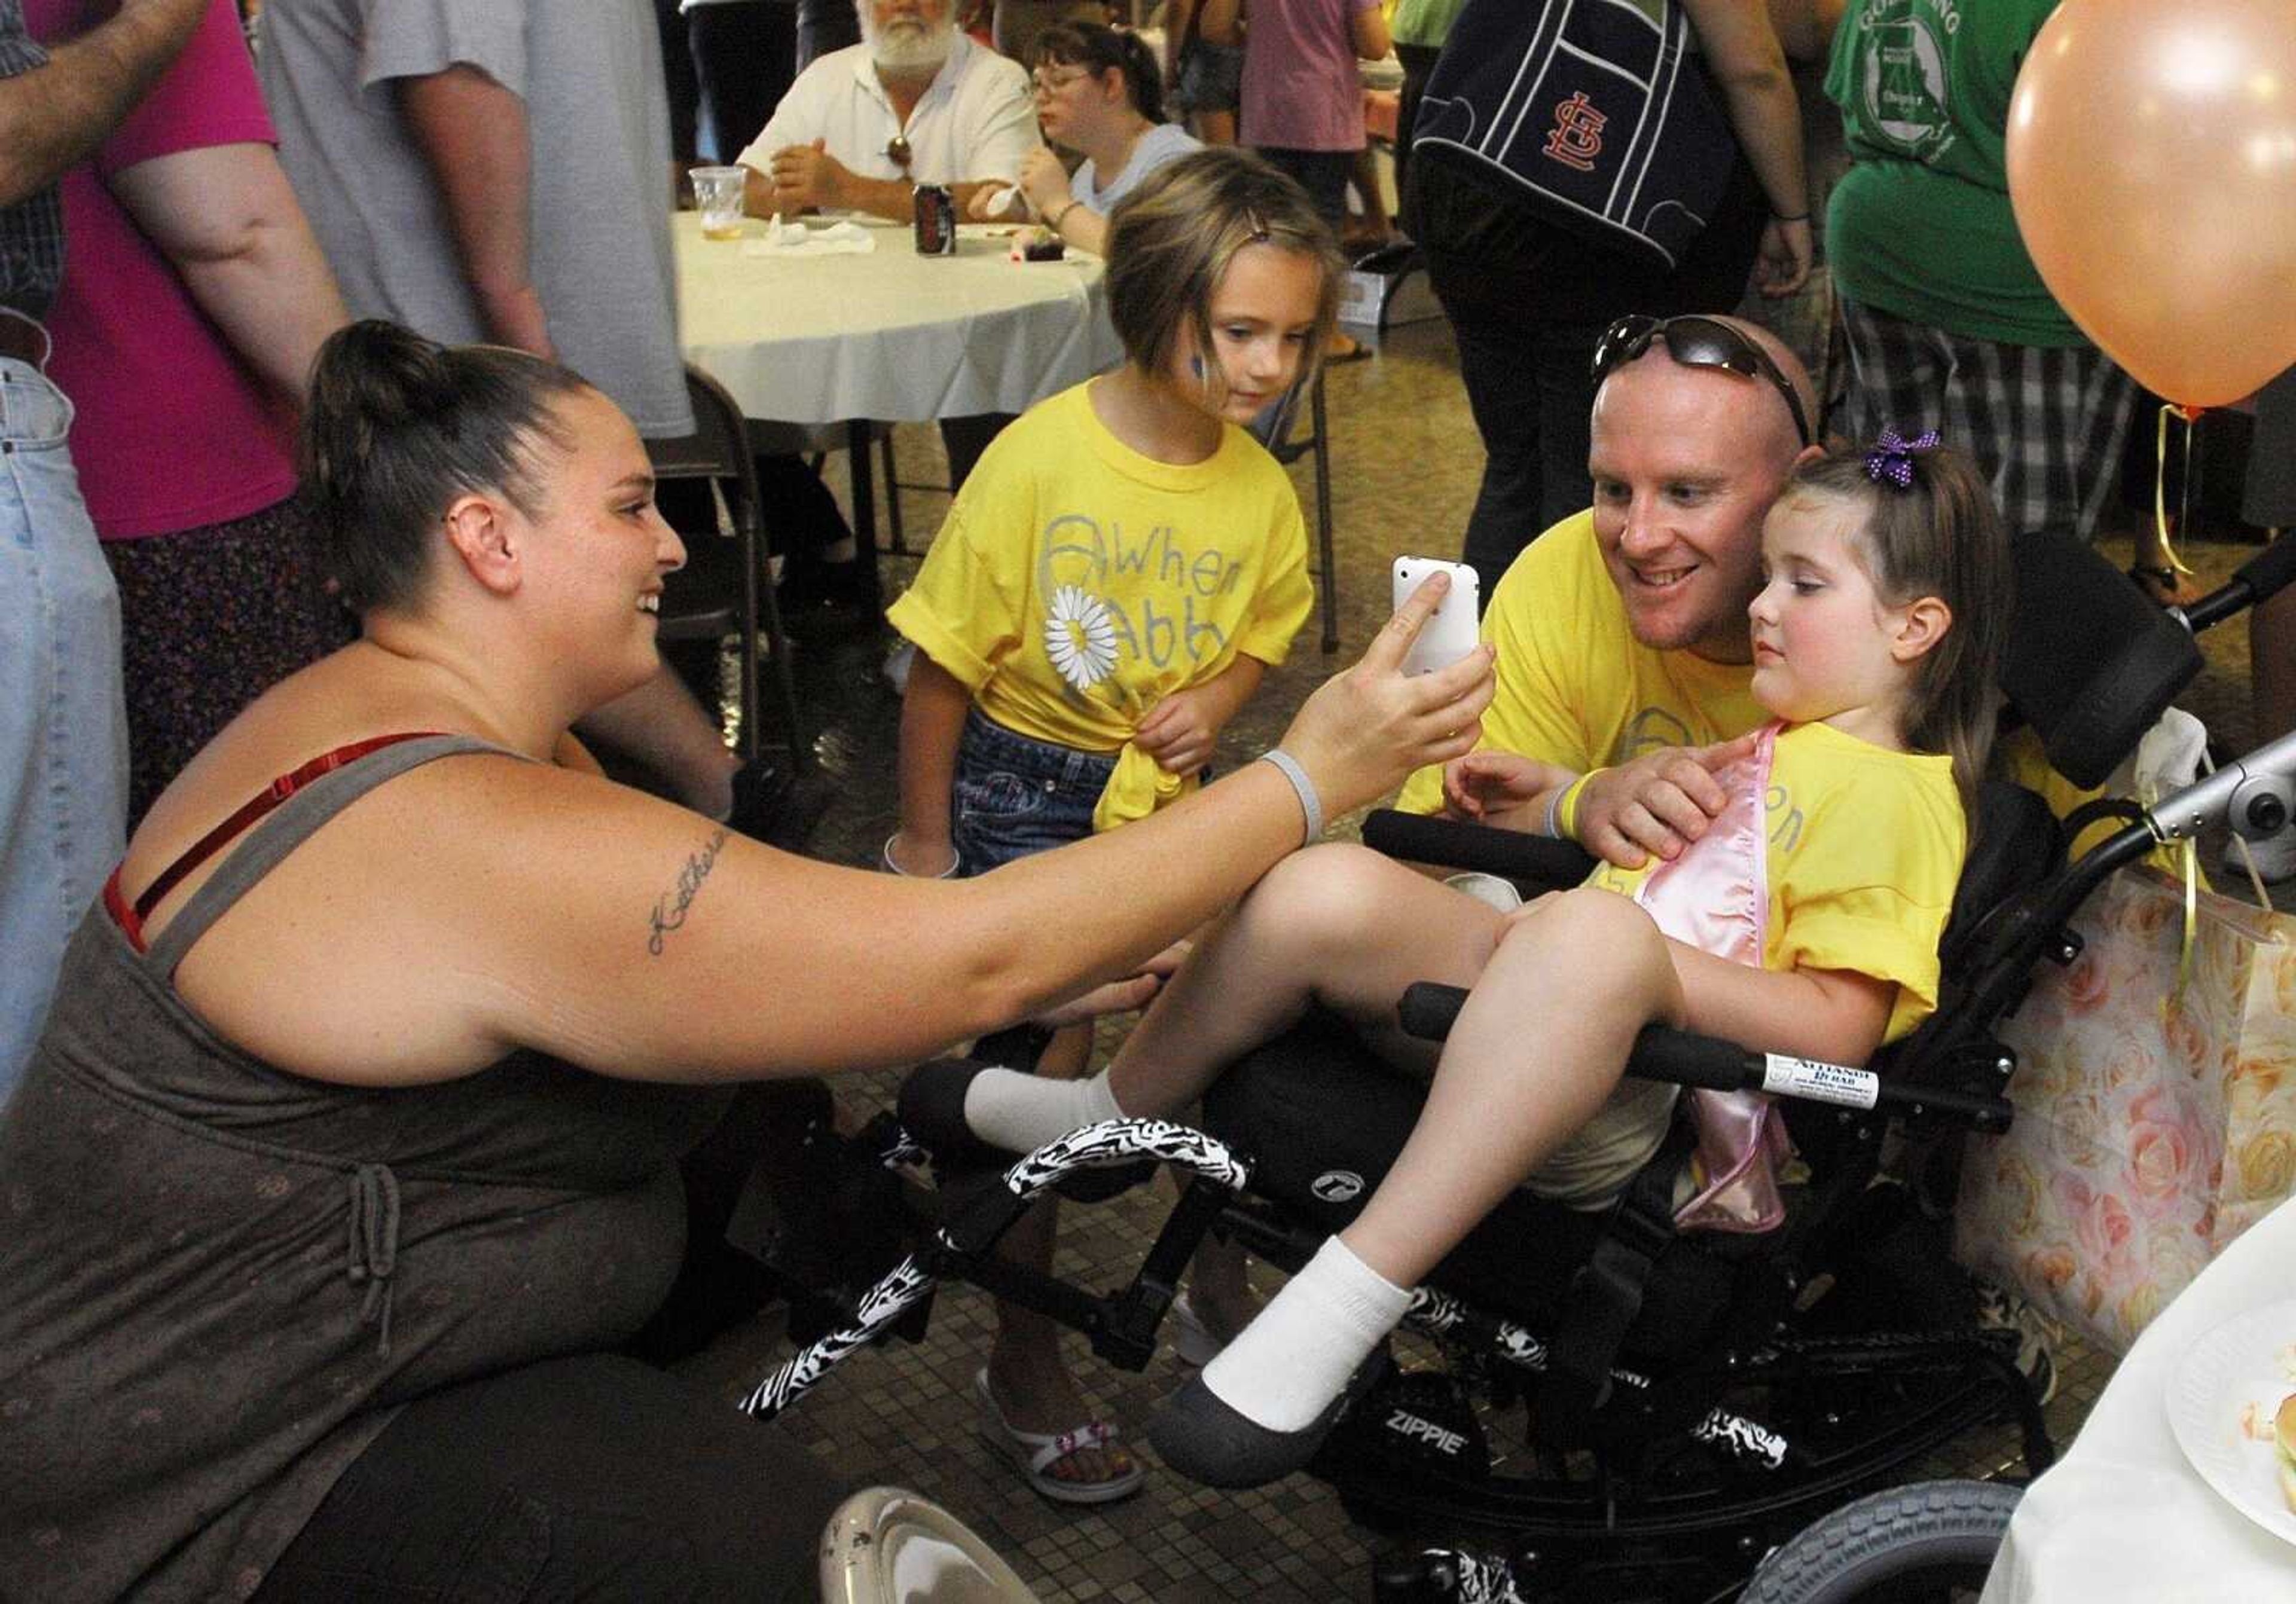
(1079, 637)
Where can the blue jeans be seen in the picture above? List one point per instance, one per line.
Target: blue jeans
(64, 726)
(1014, 796)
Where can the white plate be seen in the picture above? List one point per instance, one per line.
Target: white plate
(2249, 1360)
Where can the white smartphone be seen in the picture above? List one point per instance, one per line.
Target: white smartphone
(1450, 634)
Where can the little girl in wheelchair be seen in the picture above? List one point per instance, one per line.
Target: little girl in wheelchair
(1805, 922)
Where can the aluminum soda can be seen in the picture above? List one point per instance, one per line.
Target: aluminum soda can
(936, 220)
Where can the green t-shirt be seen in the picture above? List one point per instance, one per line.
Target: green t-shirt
(1424, 21)
(1921, 226)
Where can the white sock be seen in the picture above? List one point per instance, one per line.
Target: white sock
(1021, 1113)
(1292, 1361)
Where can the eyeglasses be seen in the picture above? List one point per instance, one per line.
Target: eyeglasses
(1040, 84)
(897, 152)
(1694, 342)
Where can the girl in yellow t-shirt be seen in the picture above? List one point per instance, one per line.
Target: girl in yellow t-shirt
(1805, 922)
(1119, 570)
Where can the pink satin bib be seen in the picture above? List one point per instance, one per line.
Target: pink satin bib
(1716, 898)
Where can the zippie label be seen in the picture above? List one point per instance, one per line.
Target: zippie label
(1820, 1082)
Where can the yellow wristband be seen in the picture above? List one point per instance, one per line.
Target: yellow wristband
(1566, 812)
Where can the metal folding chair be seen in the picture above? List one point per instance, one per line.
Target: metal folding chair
(1273, 430)
(720, 591)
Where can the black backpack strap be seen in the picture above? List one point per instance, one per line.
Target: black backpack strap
(1606, 1295)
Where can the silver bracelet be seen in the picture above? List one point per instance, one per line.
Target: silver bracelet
(1554, 826)
(1310, 804)
(885, 854)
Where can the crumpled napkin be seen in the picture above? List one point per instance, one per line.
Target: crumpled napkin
(791, 238)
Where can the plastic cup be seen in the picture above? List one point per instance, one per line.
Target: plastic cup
(717, 191)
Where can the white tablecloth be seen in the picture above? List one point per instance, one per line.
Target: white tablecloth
(891, 335)
(2124, 1516)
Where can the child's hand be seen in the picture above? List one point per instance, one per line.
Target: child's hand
(1499, 787)
(1118, 996)
(1655, 804)
(1179, 731)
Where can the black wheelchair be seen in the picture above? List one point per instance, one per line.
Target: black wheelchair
(1694, 1401)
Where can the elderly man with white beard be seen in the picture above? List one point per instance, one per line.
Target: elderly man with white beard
(914, 103)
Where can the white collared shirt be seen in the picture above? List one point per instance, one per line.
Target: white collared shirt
(975, 121)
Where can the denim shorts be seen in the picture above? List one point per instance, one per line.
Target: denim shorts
(1014, 796)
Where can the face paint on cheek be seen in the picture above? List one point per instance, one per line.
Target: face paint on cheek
(1196, 366)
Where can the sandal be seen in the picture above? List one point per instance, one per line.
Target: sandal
(1034, 1453)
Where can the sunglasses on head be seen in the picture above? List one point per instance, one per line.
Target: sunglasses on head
(1694, 342)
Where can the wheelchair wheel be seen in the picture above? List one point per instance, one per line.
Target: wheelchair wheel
(887, 1546)
(1927, 1540)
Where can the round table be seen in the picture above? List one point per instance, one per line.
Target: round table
(889, 335)
(2124, 1516)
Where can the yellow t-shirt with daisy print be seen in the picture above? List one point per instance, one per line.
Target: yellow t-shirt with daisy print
(1077, 583)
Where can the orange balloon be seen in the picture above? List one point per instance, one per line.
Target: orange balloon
(2152, 157)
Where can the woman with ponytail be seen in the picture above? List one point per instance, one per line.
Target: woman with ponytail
(1100, 93)
(348, 1185)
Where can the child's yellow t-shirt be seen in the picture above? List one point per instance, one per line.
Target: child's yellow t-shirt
(1078, 582)
(1865, 849)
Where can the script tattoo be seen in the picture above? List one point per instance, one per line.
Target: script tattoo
(670, 911)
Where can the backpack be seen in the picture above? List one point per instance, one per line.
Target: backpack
(1598, 113)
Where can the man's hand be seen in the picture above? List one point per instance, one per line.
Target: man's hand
(1657, 804)
(1044, 181)
(807, 175)
(1782, 262)
(1180, 731)
(1500, 788)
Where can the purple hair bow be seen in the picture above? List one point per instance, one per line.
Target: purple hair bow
(1892, 457)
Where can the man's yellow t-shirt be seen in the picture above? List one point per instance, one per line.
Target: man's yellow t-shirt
(1077, 583)
(1575, 687)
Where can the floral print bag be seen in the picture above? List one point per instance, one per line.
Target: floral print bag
(2156, 1120)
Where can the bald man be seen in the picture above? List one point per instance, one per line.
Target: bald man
(1621, 633)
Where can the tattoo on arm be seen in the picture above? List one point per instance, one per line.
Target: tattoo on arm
(669, 909)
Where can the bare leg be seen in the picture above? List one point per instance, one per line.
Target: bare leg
(1215, 127)
(1027, 1374)
(1338, 925)
(1541, 1042)
(661, 725)
(1539, 1045)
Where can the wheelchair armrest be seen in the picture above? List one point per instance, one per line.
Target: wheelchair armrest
(1687, 1059)
(1509, 853)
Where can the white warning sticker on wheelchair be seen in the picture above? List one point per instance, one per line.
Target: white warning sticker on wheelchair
(1819, 1082)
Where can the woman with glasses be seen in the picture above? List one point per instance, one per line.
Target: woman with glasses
(1098, 94)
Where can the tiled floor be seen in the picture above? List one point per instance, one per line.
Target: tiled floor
(1408, 461)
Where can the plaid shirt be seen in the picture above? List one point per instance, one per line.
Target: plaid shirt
(32, 229)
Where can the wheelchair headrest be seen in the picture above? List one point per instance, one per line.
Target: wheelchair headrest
(2014, 842)
(2092, 662)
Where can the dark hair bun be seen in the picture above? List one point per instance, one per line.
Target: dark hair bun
(394, 428)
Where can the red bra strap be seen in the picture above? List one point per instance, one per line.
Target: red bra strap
(131, 918)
